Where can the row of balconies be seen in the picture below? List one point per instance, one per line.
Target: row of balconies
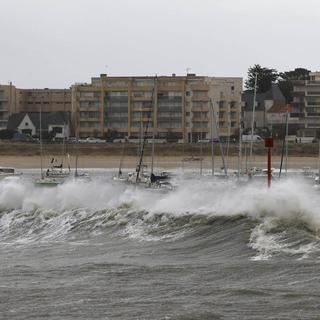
(200, 109)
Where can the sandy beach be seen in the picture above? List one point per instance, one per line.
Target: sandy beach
(166, 162)
(167, 156)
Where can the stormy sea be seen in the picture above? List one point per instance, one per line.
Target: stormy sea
(209, 249)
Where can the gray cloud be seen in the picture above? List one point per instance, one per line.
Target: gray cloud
(46, 43)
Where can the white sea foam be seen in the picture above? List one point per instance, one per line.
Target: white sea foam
(291, 199)
(61, 208)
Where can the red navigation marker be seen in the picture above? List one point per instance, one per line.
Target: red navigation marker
(268, 143)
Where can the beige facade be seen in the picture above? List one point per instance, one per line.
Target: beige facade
(14, 100)
(51, 100)
(167, 106)
(8, 103)
(306, 104)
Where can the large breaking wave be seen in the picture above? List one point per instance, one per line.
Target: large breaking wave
(284, 219)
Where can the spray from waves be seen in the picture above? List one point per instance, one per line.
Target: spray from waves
(90, 208)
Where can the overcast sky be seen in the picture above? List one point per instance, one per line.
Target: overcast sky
(54, 43)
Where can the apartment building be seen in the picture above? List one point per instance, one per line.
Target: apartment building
(8, 103)
(167, 106)
(14, 100)
(306, 105)
(50, 100)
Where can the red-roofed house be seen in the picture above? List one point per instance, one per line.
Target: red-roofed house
(276, 118)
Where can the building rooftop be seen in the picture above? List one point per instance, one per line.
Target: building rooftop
(47, 118)
(274, 94)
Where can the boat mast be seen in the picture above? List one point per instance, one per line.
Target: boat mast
(77, 156)
(122, 157)
(240, 144)
(319, 163)
(228, 137)
(40, 135)
(220, 144)
(253, 111)
(286, 138)
(284, 146)
(153, 122)
(200, 135)
(76, 119)
(212, 143)
(142, 150)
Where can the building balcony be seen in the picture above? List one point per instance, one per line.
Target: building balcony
(116, 99)
(169, 109)
(88, 109)
(135, 109)
(163, 98)
(199, 119)
(89, 130)
(116, 88)
(199, 87)
(200, 109)
(162, 87)
(142, 88)
(97, 99)
(116, 109)
(198, 130)
(169, 119)
(84, 119)
(313, 83)
(200, 98)
(135, 98)
(144, 119)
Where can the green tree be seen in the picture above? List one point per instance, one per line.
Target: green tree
(286, 81)
(265, 78)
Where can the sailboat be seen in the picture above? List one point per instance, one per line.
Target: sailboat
(56, 170)
(141, 177)
(9, 173)
(44, 180)
(79, 174)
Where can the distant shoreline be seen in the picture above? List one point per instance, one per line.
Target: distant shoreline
(165, 162)
(167, 156)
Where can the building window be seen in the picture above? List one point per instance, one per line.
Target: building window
(86, 94)
(117, 94)
(143, 82)
(116, 84)
(199, 93)
(143, 94)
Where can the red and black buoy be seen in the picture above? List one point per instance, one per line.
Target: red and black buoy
(268, 143)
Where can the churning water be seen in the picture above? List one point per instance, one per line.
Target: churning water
(207, 250)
